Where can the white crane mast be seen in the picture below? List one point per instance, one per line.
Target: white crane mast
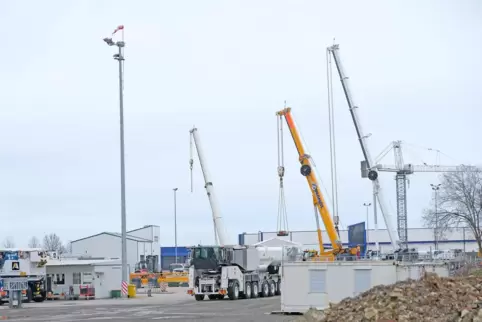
(372, 175)
(219, 230)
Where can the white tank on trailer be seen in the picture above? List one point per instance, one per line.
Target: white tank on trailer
(269, 254)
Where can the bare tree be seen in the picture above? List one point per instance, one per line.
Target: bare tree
(459, 203)
(53, 243)
(8, 242)
(34, 242)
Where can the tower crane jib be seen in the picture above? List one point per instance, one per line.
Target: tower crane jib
(402, 170)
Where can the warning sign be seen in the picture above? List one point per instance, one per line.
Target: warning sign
(15, 266)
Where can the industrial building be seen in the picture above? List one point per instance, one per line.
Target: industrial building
(101, 275)
(419, 238)
(141, 244)
(144, 242)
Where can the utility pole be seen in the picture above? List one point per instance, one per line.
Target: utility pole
(435, 188)
(120, 58)
(175, 224)
(367, 205)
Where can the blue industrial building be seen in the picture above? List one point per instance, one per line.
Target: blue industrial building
(168, 256)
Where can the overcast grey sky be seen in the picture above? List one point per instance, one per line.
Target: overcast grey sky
(227, 67)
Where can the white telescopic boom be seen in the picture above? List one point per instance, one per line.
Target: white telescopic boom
(387, 216)
(217, 218)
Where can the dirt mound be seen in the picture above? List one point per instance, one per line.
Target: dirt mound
(430, 299)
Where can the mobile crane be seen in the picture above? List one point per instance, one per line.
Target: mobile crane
(234, 270)
(321, 207)
(219, 230)
(368, 162)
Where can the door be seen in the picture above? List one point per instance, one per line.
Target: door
(99, 286)
(363, 280)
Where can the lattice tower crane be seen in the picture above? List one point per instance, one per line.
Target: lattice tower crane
(402, 170)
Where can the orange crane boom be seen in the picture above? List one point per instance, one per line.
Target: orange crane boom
(315, 188)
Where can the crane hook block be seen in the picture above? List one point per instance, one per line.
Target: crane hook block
(372, 175)
(281, 171)
(305, 170)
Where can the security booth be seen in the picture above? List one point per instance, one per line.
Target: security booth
(84, 278)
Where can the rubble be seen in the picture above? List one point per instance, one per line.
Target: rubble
(432, 298)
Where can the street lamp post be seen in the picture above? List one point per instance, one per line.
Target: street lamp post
(435, 188)
(175, 224)
(120, 58)
(375, 219)
(367, 205)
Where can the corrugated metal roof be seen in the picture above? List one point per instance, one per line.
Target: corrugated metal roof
(82, 262)
(130, 237)
(146, 226)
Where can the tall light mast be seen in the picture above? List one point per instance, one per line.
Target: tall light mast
(368, 162)
(219, 230)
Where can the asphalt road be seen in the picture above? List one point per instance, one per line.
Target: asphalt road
(126, 311)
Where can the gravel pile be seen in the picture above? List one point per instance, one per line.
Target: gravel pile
(430, 299)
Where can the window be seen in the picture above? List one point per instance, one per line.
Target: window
(76, 277)
(87, 277)
(317, 281)
(208, 253)
(60, 279)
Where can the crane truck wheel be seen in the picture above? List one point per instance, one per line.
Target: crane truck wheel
(199, 297)
(254, 290)
(247, 290)
(278, 288)
(272, 288)
(264, 289)
(233, 290)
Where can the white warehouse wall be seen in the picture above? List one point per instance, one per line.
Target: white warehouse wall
(108, 246)
(151, 233)
(420, 238)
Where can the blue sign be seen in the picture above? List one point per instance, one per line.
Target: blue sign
(13, 256)
(357, 235)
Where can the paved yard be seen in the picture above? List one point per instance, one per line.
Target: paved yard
(179, 307)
